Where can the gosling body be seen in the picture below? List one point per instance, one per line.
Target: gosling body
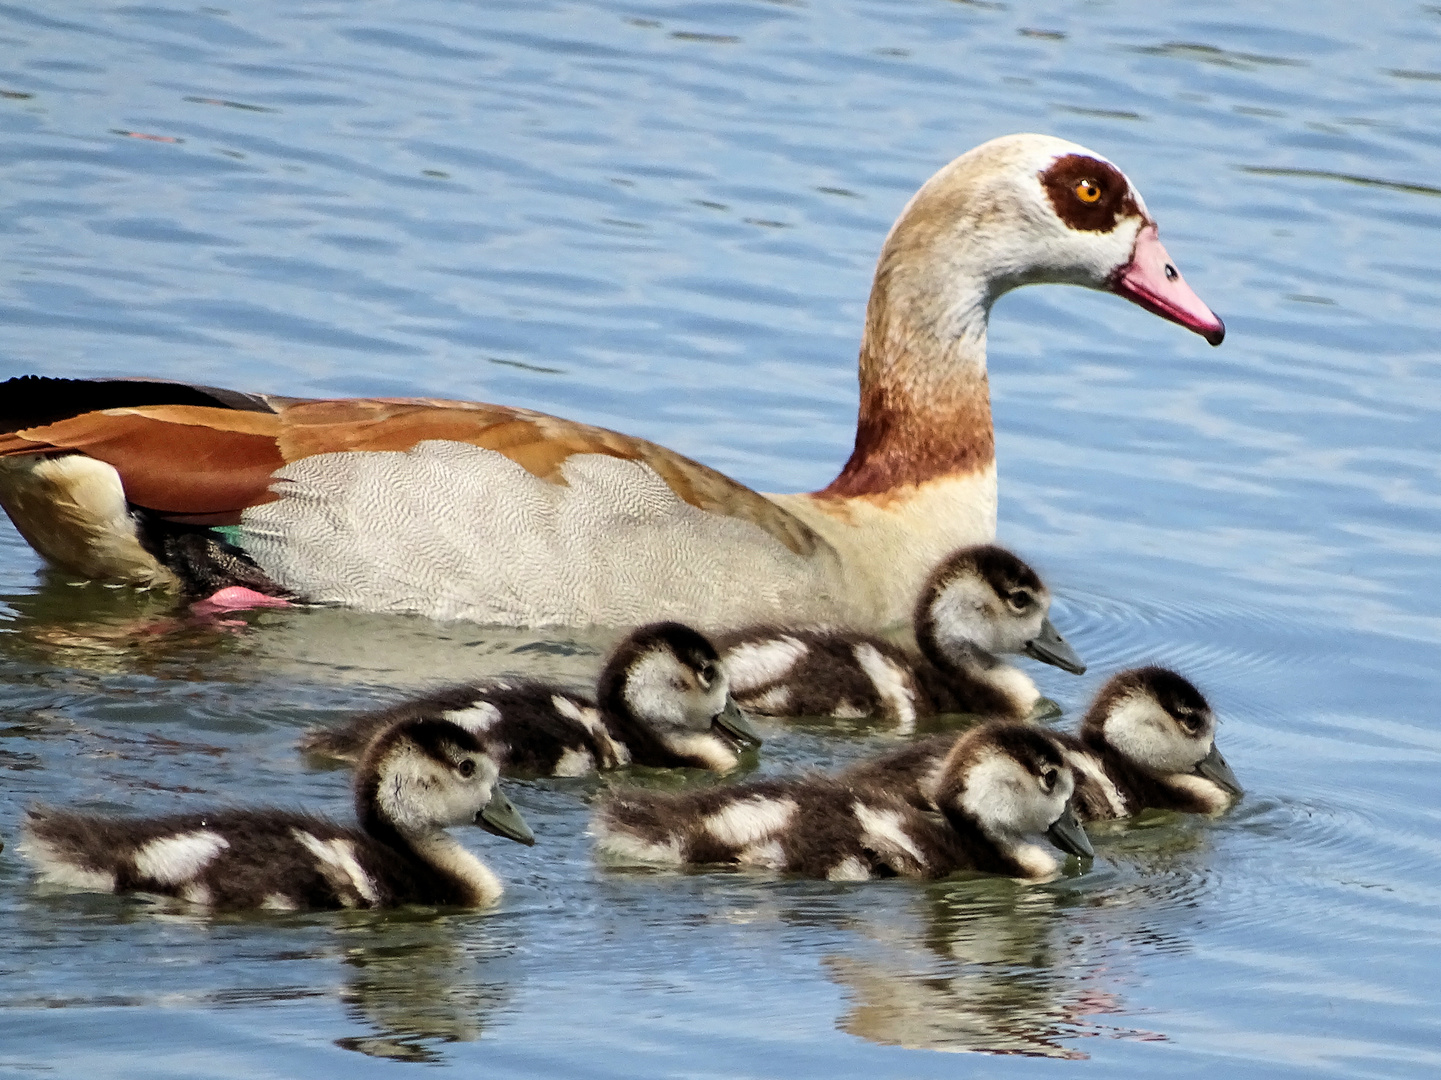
(1005, 786)
(1147, 743)
(662, 701)
(979, 601)
(415, 779)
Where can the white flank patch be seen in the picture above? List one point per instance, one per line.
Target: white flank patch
(892, 683)
(707, 748)
(769, 855)
(750, 821)
(1208, 792)
(57, 870)
(774, 702)
(174, 860)
(278, 902)
(589, 718)
(196, 893)
(1015, 684)
(629, 847)
(1035, 861)
(849, 869)
(1088, 770)
(574, 763)
(479, 718)
(336, 860)
(756, 663)
(882, 829)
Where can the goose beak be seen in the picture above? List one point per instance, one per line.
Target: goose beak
(732, 721)
(1044, 709)
(500, 816)
(1214, 768)
(1050, 648)
(1152, 281)
(1066, 833)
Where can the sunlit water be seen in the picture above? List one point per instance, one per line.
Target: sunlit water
(662, 218)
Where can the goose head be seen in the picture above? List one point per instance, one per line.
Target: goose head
(1011, 781)
(1161, 724)
(670, 678)
(423, 775)
(985, 597)
(1027, 209)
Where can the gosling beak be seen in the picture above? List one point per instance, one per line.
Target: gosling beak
(1214, 768)
(1066, 833)
(1044, 709)
(500, 816)
(732, 721)
(1050, 648)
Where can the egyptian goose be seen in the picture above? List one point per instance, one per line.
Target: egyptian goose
(1148, 742)
(502, 515)
(663, 702)
(979, 601)
(415, 779)
(1004, 786)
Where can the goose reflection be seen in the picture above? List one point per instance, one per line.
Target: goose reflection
(411, 980)
(997, 969)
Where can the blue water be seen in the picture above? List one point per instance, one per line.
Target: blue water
(663, 218)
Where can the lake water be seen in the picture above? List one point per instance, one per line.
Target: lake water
(663, 218)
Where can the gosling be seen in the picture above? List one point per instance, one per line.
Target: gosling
(1003, 787)
(415, 779)
(978, 602)
(663, 701)
(1148, 741)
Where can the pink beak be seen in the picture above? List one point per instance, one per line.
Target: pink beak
(1151, 280)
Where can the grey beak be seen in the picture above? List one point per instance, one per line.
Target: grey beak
(1066, 833)
(1044, 709)
(1050, 648)
(1214, 768)
(500, 816)
(733, 721)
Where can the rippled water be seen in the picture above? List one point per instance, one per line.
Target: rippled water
(663, 218)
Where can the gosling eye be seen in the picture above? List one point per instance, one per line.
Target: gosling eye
(1048, 779)
(1088, 191)
(1190, 723)
(1019, 599)
(466, 768)
(707, 674)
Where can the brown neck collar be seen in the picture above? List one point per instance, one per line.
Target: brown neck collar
(925, 409)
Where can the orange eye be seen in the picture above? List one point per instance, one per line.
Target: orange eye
(1087, 191)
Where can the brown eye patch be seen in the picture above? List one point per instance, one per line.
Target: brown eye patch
(1088, 194)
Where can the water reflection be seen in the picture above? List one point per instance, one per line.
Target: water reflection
(413, 981)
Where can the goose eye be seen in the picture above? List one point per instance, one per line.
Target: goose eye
(1020, 600)
(1048, 780)
(707, 674)
(1088, 191)
(467, 767)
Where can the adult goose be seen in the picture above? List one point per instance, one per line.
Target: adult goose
(503, 515)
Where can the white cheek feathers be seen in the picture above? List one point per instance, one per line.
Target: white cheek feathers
(1145, 734)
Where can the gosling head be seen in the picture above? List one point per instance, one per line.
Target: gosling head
(985, 597)
(671, 679)
(1012, 782)
(422, 775)
(1161, 724)
(1026, 209)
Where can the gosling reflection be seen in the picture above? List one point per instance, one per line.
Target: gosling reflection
(418, 988)
(995, 970)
